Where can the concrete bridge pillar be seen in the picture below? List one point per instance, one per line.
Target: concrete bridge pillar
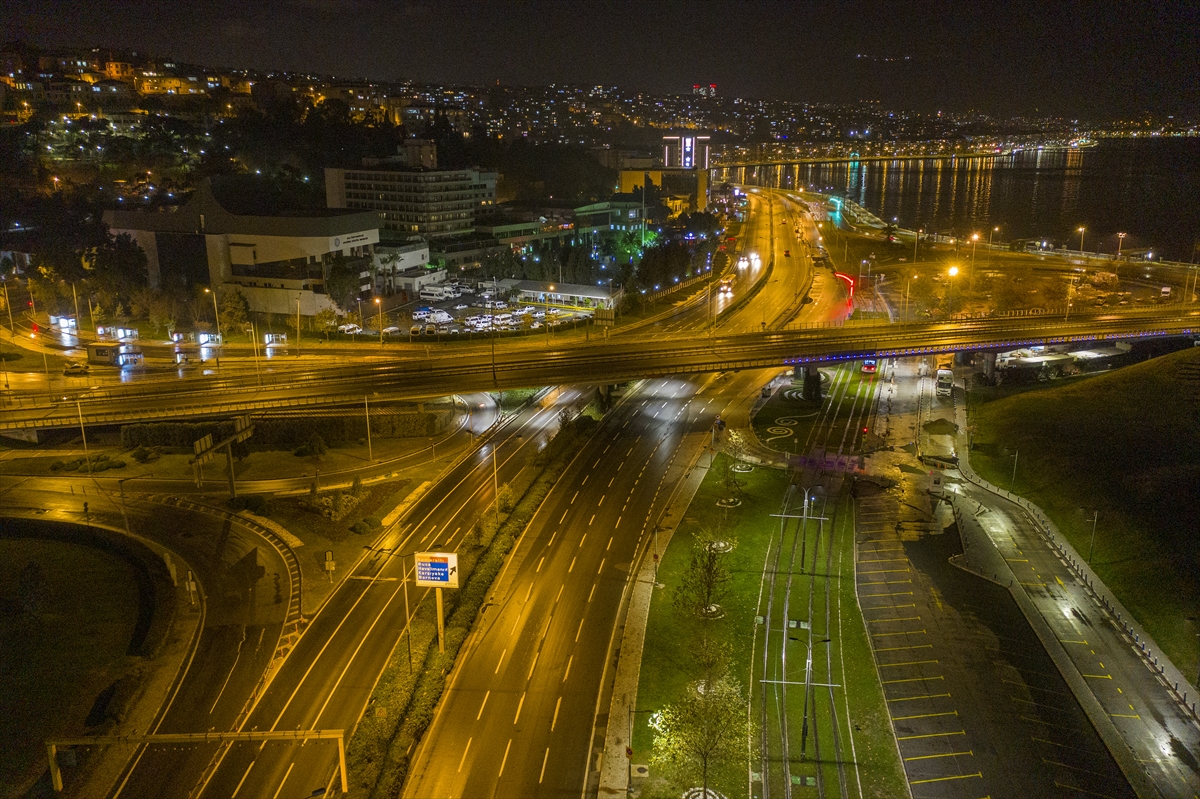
(812, 384)
(989, 366)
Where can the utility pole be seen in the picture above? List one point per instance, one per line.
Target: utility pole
(1092, 545)
(367, 414)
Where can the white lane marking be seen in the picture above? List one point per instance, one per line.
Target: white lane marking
(533, 665)
(610, 482)
(584, 537)
(482, 706)
(530, 591)
(591, 520)
(539, 566)
(464, 757)
(564, 516)
(551, 541)
(584, 480)
(609, 545)
(572, 566)
(601, 565)
(247, 774)
(560, 590)
(567, 673)
(618, 524)
(230, 674)
(520, 705)
(545, 757)
(573, 498)
(283, 782)
(601, 502)
(554, 720)
(591, 592)
(502, 654)
(577, 632)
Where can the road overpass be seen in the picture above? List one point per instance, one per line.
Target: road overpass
(445, 372)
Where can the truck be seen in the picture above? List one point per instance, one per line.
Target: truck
(945, 380)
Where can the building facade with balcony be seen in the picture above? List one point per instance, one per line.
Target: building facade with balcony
(414, 202)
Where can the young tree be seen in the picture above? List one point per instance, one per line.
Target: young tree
(235, 308)
(325, 321)
(704, 730)
(705, 582)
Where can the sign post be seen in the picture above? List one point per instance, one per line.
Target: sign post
(437, 570)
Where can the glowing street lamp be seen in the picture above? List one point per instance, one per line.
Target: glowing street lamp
(1081, 230)
(379, 309)
(952, 272)
(1120, 241)
(216, 315)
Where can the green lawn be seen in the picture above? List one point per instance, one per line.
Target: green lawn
(668, 663)
(1125, 444)
(55, 662)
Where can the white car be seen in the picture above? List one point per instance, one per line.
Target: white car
(391, 331)
(349, 328)
(460, 307)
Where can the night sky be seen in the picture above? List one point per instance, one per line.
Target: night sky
(1092, 59)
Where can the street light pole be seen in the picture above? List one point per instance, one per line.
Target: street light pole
(1120, 241)
(379, 308)
(1092, 545)
(1012, 485)
(217, 315)
(1081, 230)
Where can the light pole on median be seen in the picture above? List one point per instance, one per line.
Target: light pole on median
(216, 314)
(379, 309)
(1120, 241)
(952, 272)
(1092, 545)
(1081, 231)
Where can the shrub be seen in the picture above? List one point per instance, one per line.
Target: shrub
(57, 466)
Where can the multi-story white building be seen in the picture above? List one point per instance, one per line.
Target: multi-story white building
(425, 203)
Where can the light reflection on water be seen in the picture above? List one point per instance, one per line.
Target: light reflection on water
(1148, 189)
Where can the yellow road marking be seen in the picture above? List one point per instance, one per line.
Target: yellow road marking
(901, 632)
(909, 663)
(1099, 676)
(1125, 715)
(1059, 580)
(943, 779)
(910, 698)
(1065, 641)
(931, 757)
(1034, 585)
(925, 716)
(905, 618)
(931, 735)
(915, 646)
(912, 679)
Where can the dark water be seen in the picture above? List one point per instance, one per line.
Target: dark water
(1148, 189)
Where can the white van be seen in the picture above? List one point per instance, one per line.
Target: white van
(503, 319)
(434, 293)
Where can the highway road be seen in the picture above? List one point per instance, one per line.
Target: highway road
(523, 713)
(327, 680)
(605, 363)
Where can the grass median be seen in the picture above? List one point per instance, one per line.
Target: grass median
(669, 657)
(1122, 448)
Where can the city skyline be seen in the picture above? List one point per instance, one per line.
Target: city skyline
(1096, 60)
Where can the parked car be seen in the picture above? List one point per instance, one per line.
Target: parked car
(349, 328)
(460, 307)
(75, 368)
(415, 330)
(430, 330)
(391, 331)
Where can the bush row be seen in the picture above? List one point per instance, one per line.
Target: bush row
(288, 433)
(414, 708)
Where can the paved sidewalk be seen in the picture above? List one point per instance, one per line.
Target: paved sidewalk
(1155, 741)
